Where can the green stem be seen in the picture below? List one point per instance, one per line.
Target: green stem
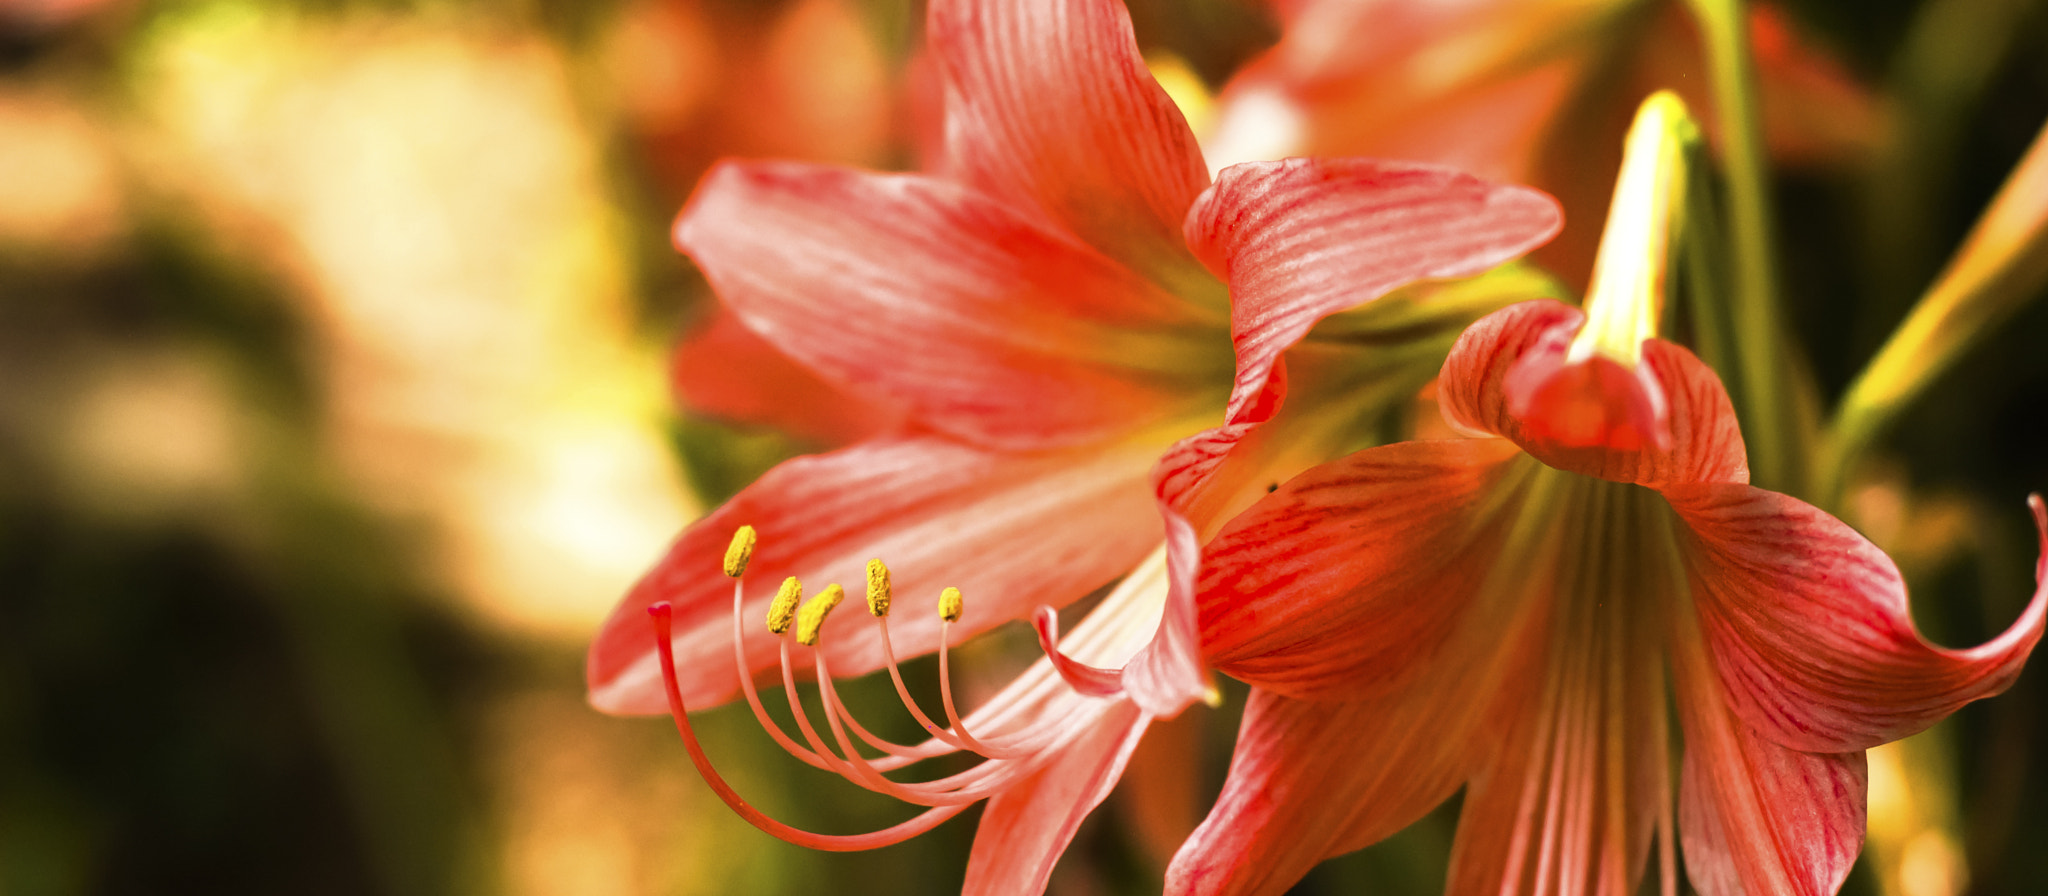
(1703, 266)
(1762, 395)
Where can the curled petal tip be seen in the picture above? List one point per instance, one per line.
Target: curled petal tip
(1083, 678)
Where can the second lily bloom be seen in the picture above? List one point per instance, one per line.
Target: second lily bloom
(1518, 614)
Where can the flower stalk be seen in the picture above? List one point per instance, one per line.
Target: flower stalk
(1759, 374)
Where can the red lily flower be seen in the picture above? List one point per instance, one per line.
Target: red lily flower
(1500, 612)
(1042, 314)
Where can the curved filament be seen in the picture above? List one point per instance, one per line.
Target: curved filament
(925, 821)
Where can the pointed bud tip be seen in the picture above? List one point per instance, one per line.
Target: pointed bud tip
(1625, 298)
(1666, 111)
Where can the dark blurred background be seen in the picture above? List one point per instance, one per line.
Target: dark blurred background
(334, 416)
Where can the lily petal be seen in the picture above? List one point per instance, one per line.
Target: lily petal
(982, 323)
(1576, 770)
(1706, 442)
(723, 370)
(1168, 673)
(1027, 826)
(1050, 106)
(1348, 579)
(1756, 817)
(1301, 239)
(1003, 528)
(1310, 780)
(1809, 628)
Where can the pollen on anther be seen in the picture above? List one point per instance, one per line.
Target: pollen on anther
(739, 552)
(782, 610)
(811, 619)
(878, 588)
(950, 605)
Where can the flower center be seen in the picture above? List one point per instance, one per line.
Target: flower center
(1586, 759)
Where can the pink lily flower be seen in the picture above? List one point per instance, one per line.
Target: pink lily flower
(1518, 613)
(1049, 313)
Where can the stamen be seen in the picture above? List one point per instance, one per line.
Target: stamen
(782, 609)
(858, 769)
(753, 694)
(1008, 760)
(963, 740)
(811, 619)
(903, 752)
(970, 785)
(878, 588)
(739, 552)
(1002, 748)
(925, 821)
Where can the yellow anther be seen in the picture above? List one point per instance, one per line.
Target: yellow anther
(878, 588)
(811, 618)
(950, 605)
(782, 610)
(739, 552)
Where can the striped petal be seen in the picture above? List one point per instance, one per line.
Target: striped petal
(1346, 581)
(1302, 239)
(1050, 107)
(1754, 816)
(1310, 780)
(940, 299)
(1027, 826)
(1809, 627)
(723, 370)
